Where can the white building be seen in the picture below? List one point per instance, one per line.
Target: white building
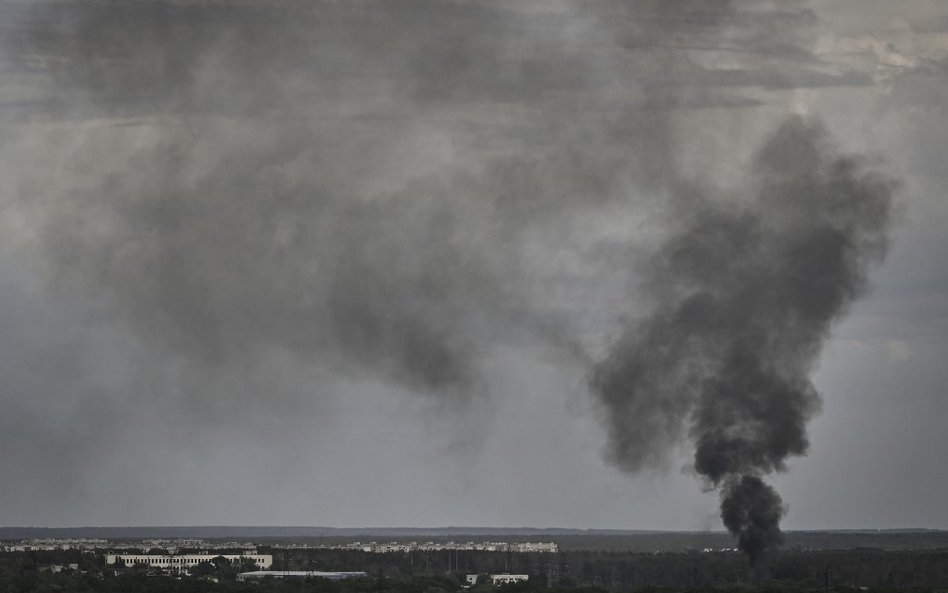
(184, 562)
(499, 579)
(503, 579)
(545, 547)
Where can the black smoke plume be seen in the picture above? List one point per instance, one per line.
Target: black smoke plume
(747, 290)
(752, 509)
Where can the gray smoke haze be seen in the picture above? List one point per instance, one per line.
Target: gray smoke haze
(273, 197)
(362, 184)
(747, 292)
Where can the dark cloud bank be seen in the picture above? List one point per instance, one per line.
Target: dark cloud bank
(393, 189)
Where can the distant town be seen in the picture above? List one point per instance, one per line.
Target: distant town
(187, 557)
(173, 546)
(478, 563)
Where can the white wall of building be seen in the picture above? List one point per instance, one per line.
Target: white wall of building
(184, 561)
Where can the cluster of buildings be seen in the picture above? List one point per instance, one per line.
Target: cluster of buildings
(166, 556)
(388, 547)
(173, 546)
(51, 544)
(167, 546)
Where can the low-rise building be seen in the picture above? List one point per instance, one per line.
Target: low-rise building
(184, 562)
(498, 579)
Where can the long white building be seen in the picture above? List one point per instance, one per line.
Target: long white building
(184, 561)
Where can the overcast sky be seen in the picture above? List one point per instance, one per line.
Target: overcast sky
(360, 263)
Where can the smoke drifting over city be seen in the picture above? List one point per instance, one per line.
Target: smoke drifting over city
(235, 210)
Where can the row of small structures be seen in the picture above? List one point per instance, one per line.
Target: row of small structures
(300, 574)
(184, 562)
(471, 579)
(171, 546)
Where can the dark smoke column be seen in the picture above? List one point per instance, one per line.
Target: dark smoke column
(746, 294)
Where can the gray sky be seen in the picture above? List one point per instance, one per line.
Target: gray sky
(353, 264)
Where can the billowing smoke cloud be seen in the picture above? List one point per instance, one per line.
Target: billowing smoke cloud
(371, 187)
(390, 191)
(747, 291)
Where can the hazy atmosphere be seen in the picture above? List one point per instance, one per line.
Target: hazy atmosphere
(639, 264)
